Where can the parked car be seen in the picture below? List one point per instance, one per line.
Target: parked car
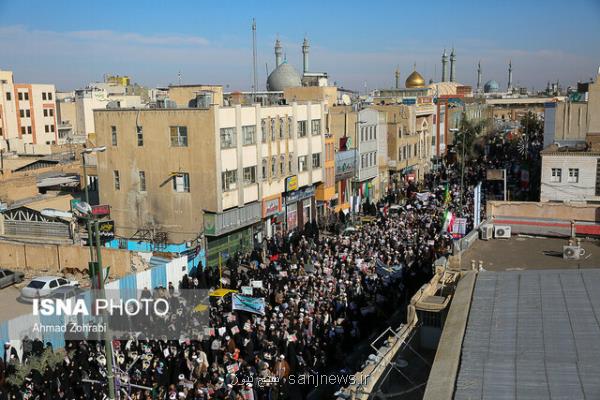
(8, 277)
(44, 286)
(65, 292)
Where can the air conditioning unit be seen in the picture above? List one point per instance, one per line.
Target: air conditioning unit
(502, 232)
(486, 232)
(572, 252)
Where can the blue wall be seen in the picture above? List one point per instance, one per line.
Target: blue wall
(134, 245)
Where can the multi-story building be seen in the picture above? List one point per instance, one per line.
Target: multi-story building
(569, 121)
(409, 138)
(570, 175)
(234, 174)
(27, 116)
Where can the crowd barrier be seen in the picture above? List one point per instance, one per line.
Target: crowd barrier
(162, 272)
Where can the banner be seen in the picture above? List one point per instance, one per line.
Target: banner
(250, 304)
(459, 228)
(477, 206)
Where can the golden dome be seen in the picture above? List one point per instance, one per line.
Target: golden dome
(415, 80)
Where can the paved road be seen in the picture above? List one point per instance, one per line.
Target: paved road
(9, 306)
(519, 253)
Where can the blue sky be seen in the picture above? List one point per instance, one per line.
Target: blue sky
(72, 43)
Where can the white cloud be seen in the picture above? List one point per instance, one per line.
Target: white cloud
(74, 58)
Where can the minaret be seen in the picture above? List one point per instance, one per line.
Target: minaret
(305, 47)
(397, 74)
(444, 66)
(510, 75)
(278, 53)
(479, 76)
(452, 66)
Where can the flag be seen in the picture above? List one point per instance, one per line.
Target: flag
(447, 196)
(448, 221)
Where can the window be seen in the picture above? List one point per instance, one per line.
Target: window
(43, 95)
(179, 136)
(315, 126)
(264, 168)
(282, 165)
(51, 112)
(281, 131)
(49, 96)
(46, 128)
(263, 130)
(45, 112)
(273, 166)
(249, 134)
(415, 150)
(26, 95)
(302, 165)
(249, 175)
(229, 180)
(404, 152)
(53, 284)
(52, 128)
(29, 129)
(374, 132)
(301, 129)
(23, 130)
(573, 175)
(117, 180)
(290, 162)
(181, 182)
(362, 134)
(556, 175)
(273, 129)
(316, 160)
(113, 134)
(20, 95)
(227, 138)
(28, 113)
(22, 113)
(289, 127)
(8, 96)
(140, 135)
(142, 181)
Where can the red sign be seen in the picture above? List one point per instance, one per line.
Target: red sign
(103, 209)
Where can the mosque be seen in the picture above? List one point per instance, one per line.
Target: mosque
(285, 75)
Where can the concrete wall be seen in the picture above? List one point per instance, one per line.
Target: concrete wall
(17, 187)
(59, 258)
(183, 94)
(567, 212)
(328, 94)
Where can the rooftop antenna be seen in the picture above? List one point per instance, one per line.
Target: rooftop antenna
(254, 82)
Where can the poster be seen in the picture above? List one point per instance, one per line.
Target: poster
(254, 305)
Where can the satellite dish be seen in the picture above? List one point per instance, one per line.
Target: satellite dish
(346, 100)
(83, 207)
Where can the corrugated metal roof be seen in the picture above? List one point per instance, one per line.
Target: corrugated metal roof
(532, 335)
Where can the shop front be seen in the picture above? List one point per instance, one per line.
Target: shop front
(272, 215)
(300, 207)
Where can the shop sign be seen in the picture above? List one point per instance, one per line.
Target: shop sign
(271, 207)
(103, 209)
(291, 183)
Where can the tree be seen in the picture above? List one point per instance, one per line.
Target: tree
(468, 132)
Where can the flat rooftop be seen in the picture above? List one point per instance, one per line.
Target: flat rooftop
(532, 335)
(520, 253)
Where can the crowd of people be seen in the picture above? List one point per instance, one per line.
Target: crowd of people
(324, 296)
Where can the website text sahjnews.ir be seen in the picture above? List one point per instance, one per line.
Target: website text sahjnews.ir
(308, 379)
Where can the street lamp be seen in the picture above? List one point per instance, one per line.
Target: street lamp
(84, 211)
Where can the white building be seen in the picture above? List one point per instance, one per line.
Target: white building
(570, 175)
(279, 147)
(100, 96)
(27, 116)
